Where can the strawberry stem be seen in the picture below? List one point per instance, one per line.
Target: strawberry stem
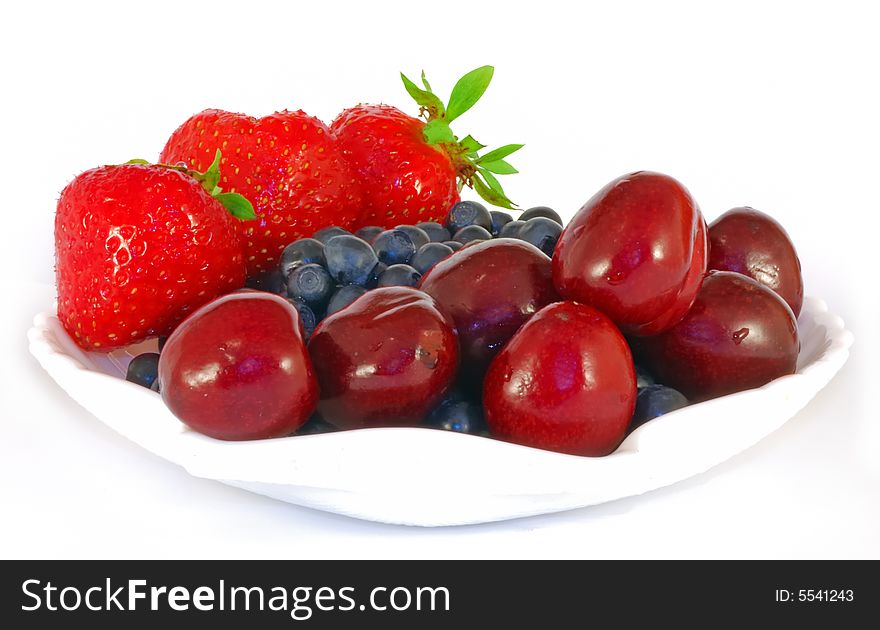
(475, 171)
(237, 205)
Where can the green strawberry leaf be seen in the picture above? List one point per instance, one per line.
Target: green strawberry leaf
(499, 166)
(489, 189)
(237, 205)
(499, 153)
(426, 99)
(491, 180)
(438, 132)
(470, 145)
(468, 91)
(138, 161)
(425, 82)
(211, 177)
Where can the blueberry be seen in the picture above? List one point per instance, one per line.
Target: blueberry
(343, 297)
(462, 416)
(162, 342)
(305, 251)
(155, 386)
(369, 232)
(429, 255)
(314, 425)
(329, 232)
(143, 369)
(394, 247)
(643, 378)
(436, 232)
(499, 220)
(349, 259)
(307, 317)
(654, 401)
(511, 230)
(399, 276)
(419, 236)
(311, 284)
(466, 213)
(472, 233)
(541, 211)
(453, 245)
(541, 232)
(271, 281)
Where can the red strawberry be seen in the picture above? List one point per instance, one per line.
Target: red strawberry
(411, 171)
(138, 246)
(288, 164)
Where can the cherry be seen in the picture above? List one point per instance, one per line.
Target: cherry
(237, 368)
(387, 359)
(738, 335)
(565, 382)
(489, 289)
(754, 244)
(636, 251)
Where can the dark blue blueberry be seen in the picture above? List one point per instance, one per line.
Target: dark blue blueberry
(466, 213)
(155, 386)
(462, 416)
(399, 276)
(643, 377)
(541, 211)
(472, 233)
(329, 232)
(305, 251)
(271, 281)
(315, 425)
(499, 220)
(428, 256)
(311, 284)
(453, 245)
(143, 369)
(369, 232)
(511, 230)
(654, 401)
(394, 247)
(162, 342)
(374, 275)
(343, 297)
(307, 317)
(418, 235)
(541, 232)
(349, 259)
(436, 232)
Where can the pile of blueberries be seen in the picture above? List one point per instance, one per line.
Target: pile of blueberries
(325, 273)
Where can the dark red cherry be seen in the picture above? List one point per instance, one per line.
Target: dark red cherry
(386, 360)
(636, 251)
(489, 289)
(565, 382)
(754, 244)
(238, 369)
(738, 335)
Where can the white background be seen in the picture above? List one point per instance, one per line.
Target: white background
(774, 105)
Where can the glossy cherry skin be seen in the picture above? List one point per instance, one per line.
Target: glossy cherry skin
(238, 368)
(636, 251)
(756, 245)
(565, 382)
(386, 360)
(489, 289)
(738, 335)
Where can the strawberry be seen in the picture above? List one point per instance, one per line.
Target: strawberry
(412, 170)
(138, 246)
(288, 164)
